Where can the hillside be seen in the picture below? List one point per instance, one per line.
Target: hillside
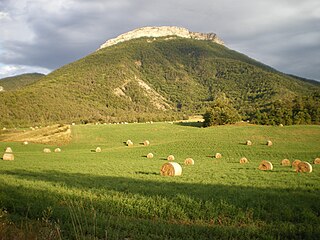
(151, 79)
(19, 81)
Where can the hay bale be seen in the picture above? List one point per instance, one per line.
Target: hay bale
(8, 157)
(25, 143)
(265, 166)
(129, 143)
(150, 155)
(46, 150)
(188, 161)
(285, 162)
(269, 143)
(57, 150)
(171, 169)
(295, 163)
(170, 158)
(146, 143)
(8, 150)
(98, 149)
(244, 160)
(248, 143)
(304, 167)
(316, 161)
(218, 155)
(280, 125)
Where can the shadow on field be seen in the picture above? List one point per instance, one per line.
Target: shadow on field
(190, 124)
(245, 168)
(238, 195)
(146, 173)
(208, 202)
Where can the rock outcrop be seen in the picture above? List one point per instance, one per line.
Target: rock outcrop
(164, 31)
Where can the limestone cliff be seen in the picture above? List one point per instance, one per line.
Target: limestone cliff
(162, 32)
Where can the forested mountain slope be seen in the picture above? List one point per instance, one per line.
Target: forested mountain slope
(153, 79)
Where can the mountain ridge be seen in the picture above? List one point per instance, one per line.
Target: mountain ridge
(126, 81)
(19, 81)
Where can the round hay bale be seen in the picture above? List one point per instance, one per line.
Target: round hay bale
(8, 157)
(171, 169)
(150, 155)
(218, 155)
(8, 150)
(285, 162)
(269, 143)
(316, 161)
(146, 143)
(265, 166)
(304, 167)
(295, 163)
(170, 158)
(280, 125)
(25, 143)
(46, 150)
(98, 149)
(189, 161)
(4, 129)
(129, 143)
(248, 143)
(244, 160)
(57, 150)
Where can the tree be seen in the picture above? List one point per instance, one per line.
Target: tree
(222, 112)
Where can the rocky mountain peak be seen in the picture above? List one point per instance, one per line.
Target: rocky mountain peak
(162, 32)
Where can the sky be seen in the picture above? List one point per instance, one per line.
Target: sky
(41, 36)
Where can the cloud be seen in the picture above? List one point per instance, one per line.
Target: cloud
(11, 70)
(4, 16)
(284, 34)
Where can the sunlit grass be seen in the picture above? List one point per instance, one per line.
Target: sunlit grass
(119, 193)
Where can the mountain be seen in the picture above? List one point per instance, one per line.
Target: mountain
(19, 81)
(153, 73)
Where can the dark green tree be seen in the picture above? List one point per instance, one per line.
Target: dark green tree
(222, 112)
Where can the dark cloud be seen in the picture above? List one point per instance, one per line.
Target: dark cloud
(284, 34)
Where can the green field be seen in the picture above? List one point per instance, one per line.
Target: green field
(119, 193)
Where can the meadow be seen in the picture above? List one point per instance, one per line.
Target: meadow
(119, 193)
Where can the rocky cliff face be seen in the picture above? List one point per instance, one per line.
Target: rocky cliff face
(162, 32)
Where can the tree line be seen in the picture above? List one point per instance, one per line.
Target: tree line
(299, 110)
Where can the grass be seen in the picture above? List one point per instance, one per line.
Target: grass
(118, 193)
